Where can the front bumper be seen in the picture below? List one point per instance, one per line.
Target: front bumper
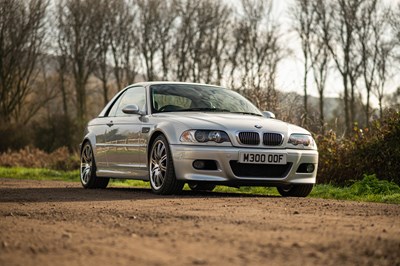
(185, 155)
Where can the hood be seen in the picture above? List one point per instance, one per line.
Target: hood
(228, 122)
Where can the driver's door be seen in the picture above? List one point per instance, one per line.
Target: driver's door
(125, 142)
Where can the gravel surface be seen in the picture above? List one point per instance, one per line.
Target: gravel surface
(60, 223)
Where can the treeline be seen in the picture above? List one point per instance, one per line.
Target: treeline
(62, 60)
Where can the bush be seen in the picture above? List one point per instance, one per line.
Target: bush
(374, 150)
(54, 132)
(45, 133)
(14, 136)
(60, 159)
(370, 185)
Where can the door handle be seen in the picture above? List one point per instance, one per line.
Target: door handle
(111, 123)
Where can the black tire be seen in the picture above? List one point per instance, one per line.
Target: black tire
(301, 190)
(162, 172)
(201, 186)
(88, 176)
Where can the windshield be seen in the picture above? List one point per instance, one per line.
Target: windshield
(192, 97)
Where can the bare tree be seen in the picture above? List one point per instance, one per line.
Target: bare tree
(375, 50)
(63, 83)
(303, 14)
(395, 26)
(385, 54)
(124, 42)
(102, 37)
(208, 40)
(220, 42)
(42, 90)
(319, 52)
(149, 14)
(21, 41)
(342, 45)
(62, 70)
(256, 54)
(393, 50)
(77, 27)
(187, 12)
(201, 40)
(165, 34)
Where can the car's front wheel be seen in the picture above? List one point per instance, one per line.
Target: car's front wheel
(300, 190)
(162, 173)
(89, 179)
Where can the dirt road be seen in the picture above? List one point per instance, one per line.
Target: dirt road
(58, 223)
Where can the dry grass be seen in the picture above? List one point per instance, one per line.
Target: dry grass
(60, 159)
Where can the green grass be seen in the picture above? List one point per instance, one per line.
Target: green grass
(48, 174)
(369, 189)
(38, 174)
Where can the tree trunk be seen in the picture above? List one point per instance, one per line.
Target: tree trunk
(305, 89)
(346, 106)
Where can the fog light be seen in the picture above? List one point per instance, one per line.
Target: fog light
(199, 164)
(310, 168)
(205, 165)
(306, 168)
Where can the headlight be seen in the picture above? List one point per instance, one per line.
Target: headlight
(202, 136)
(302, 141)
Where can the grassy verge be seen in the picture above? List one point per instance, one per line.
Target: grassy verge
(369, 189)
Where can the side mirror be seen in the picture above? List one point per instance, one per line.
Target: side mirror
(268, 114)
(131, 109)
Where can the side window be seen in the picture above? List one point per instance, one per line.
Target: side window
(135, 95)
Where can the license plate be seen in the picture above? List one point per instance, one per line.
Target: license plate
(262, 157)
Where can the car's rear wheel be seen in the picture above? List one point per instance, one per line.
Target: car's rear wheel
(201, 186)
(162, 173)
(300, 190)
(88, 176)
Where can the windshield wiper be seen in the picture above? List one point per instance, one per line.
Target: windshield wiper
(246, 113)
(209, 109)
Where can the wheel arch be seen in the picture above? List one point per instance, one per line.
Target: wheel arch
(155, 134)
(83, 144)
(92, 141)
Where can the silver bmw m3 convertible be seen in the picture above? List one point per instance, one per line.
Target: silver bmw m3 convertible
(171, 133)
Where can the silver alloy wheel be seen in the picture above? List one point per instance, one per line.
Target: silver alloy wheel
(86, 164)
(158, 164)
